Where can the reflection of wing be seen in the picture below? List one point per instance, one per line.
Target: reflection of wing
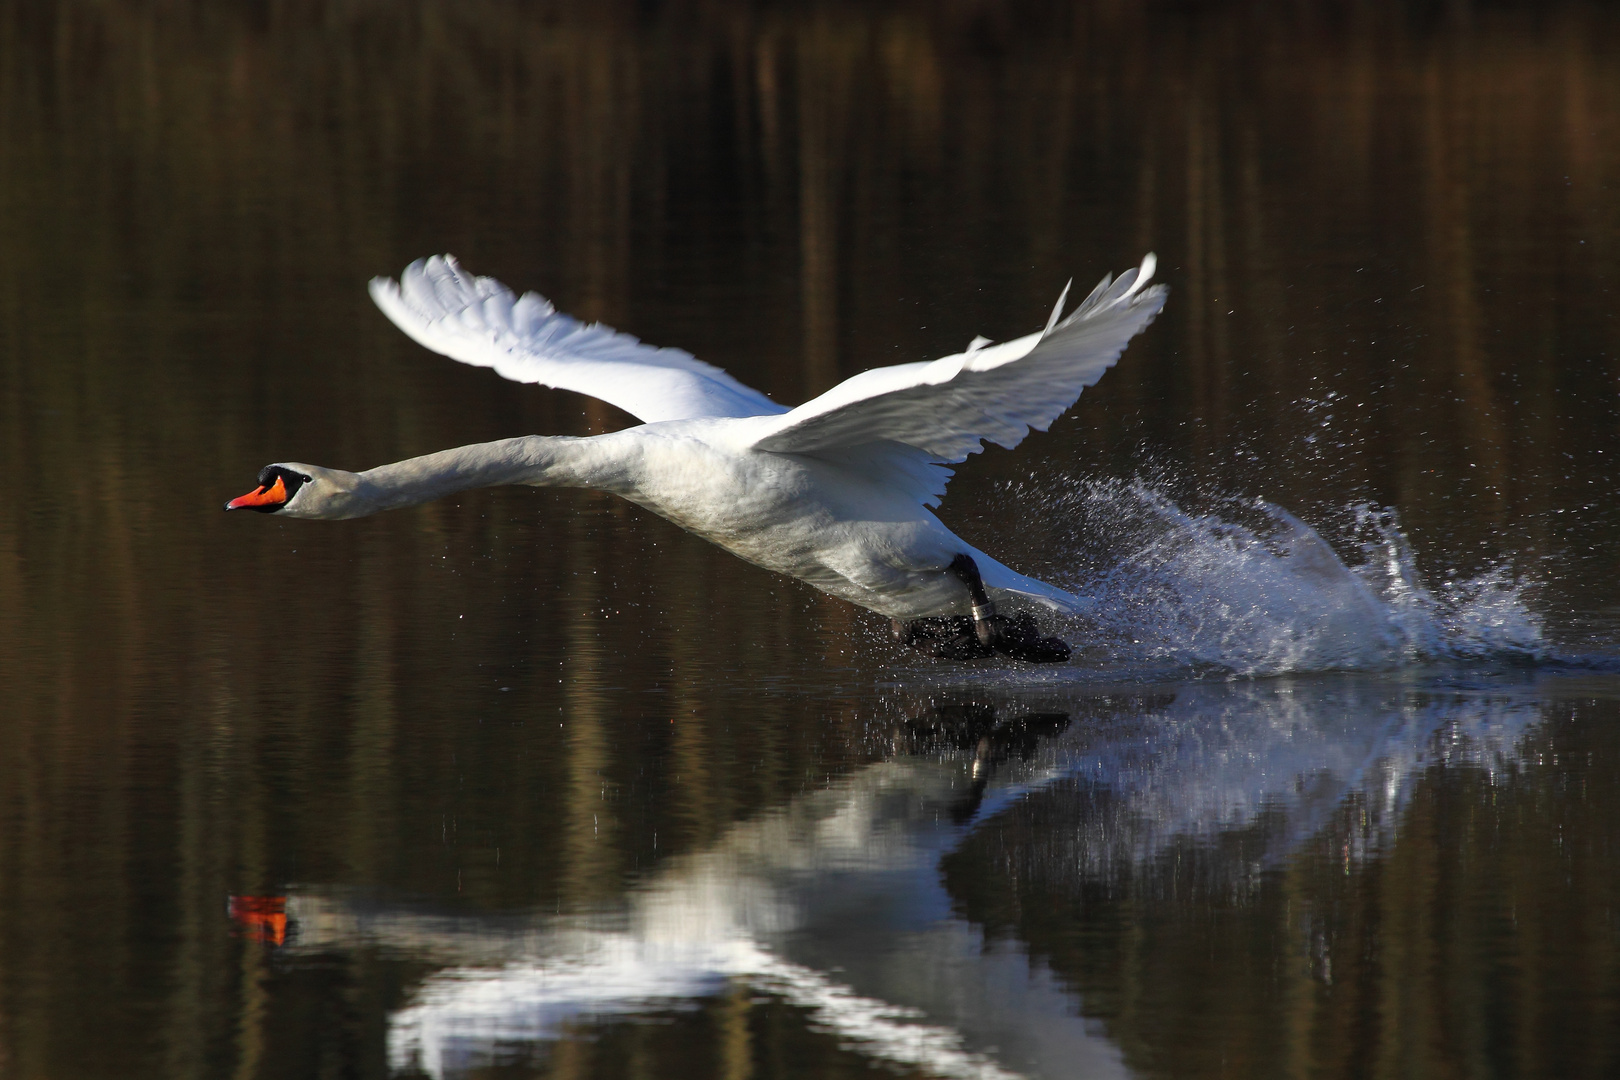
(478, 321)
(946, 407)
(461, 1018)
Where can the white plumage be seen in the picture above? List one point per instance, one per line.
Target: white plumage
(478, 321)
(948, 407)
(835, 492)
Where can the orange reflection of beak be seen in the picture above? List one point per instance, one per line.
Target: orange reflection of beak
(262, 918)
(273, 495)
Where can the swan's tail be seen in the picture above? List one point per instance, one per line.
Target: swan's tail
(999, 578)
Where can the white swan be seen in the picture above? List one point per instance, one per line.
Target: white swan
(835, 492)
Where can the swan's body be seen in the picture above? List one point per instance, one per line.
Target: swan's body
(836, 493)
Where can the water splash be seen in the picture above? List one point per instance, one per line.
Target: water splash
(1250, 589)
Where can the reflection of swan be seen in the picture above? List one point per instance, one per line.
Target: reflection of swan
(897, 980)
(835, 492)
(836, 902)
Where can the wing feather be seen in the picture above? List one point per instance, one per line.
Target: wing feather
(948, 407)
(478, 321)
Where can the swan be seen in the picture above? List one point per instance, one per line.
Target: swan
(837, 492)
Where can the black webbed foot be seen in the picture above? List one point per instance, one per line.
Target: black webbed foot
(958, 637)
(1020, 639)
(949, 637)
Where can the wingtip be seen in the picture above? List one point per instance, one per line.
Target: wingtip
(1057, 309)
(1144, 274)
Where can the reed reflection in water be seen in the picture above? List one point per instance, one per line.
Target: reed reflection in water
(1391, 233)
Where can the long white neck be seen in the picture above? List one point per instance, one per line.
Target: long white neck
(534, 460)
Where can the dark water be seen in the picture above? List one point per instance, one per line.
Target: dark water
(532, 783)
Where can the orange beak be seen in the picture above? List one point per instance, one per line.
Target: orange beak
(274, 495)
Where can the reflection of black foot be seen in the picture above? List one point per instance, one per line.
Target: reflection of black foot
(974, 726)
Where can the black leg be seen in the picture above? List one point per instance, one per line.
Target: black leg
(986, 627)
(1018, 636)
(957, 637)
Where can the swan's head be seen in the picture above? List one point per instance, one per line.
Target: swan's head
(293, 489)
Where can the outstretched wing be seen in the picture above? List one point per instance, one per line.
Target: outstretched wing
(946, 407)
(478, 321)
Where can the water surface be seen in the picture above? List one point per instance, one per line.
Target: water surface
(532, 783)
